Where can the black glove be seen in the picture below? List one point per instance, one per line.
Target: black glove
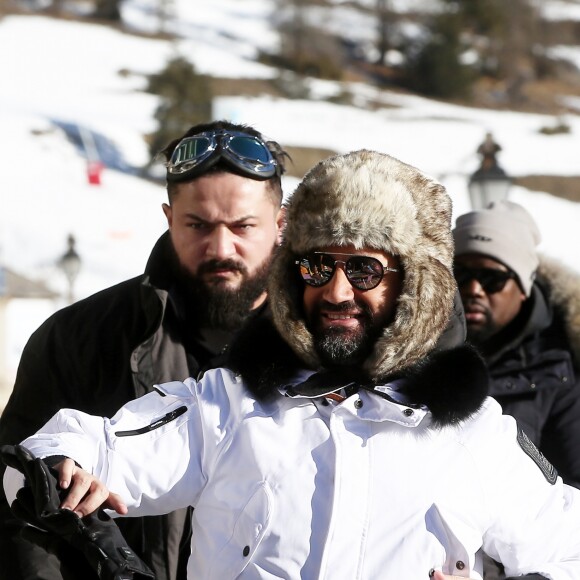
(96, 536)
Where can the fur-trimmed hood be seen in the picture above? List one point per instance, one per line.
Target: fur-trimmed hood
(563, 285)
(369, 199)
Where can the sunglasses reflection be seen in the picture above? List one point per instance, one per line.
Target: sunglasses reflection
(363, 272)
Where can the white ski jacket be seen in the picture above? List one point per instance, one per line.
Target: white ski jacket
(310, 488)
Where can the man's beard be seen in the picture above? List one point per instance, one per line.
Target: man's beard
(213, 304)
(479, 335)
(339, 346)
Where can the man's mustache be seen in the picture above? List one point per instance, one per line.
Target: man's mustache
(360, 310)
(216, 265)
(341, 307)
(474, 304)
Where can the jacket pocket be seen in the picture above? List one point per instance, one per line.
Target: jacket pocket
(247, 534)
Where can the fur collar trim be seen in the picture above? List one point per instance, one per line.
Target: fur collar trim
(452, 383)
(563, 286)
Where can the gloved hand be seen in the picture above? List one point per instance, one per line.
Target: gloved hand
(96, 536)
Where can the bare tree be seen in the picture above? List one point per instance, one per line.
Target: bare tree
(304, 47)
(385, 18)
(56, 7)
(165, 13)
(516, 55)
(293, 28)
(508, 34)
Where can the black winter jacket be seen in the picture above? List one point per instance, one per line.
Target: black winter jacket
(95, 356)
(535, 372)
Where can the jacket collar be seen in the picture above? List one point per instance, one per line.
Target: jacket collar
(161, 266)
(452, 383)
(535, 316)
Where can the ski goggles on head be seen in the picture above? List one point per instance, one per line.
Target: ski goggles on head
(490, 279)
(246, 153)
(363, 272)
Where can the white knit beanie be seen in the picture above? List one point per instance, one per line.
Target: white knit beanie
(504, 231)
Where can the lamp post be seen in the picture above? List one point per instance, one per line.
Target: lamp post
(490, 182)
(70, 264)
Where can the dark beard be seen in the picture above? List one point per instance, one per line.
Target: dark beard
(214, 306)
(337, 346)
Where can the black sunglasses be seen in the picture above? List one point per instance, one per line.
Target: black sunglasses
(363, 272)
(489, 279)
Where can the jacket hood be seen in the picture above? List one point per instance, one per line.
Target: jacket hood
(563, 285)
(369, 199)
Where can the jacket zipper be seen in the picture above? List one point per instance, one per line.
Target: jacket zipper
(155, 425)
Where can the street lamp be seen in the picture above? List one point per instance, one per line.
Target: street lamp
(70, 264)
(490, 182)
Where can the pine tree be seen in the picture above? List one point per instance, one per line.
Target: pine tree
(435, 68)
(186, 99)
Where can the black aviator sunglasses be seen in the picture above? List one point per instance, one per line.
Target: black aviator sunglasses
(363, 272)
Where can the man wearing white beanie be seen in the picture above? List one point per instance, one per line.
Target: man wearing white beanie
(522, 311)
(506, 232)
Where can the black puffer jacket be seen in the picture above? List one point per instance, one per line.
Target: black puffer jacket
(535, 373)
(95, 356)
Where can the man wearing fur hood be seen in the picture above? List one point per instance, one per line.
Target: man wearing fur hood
(350, 438)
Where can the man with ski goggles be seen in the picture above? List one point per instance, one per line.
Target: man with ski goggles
(205, 277)
(224, 216)
(519, 312)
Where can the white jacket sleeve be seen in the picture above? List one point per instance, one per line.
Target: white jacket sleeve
(534, 517)
(148, 453)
